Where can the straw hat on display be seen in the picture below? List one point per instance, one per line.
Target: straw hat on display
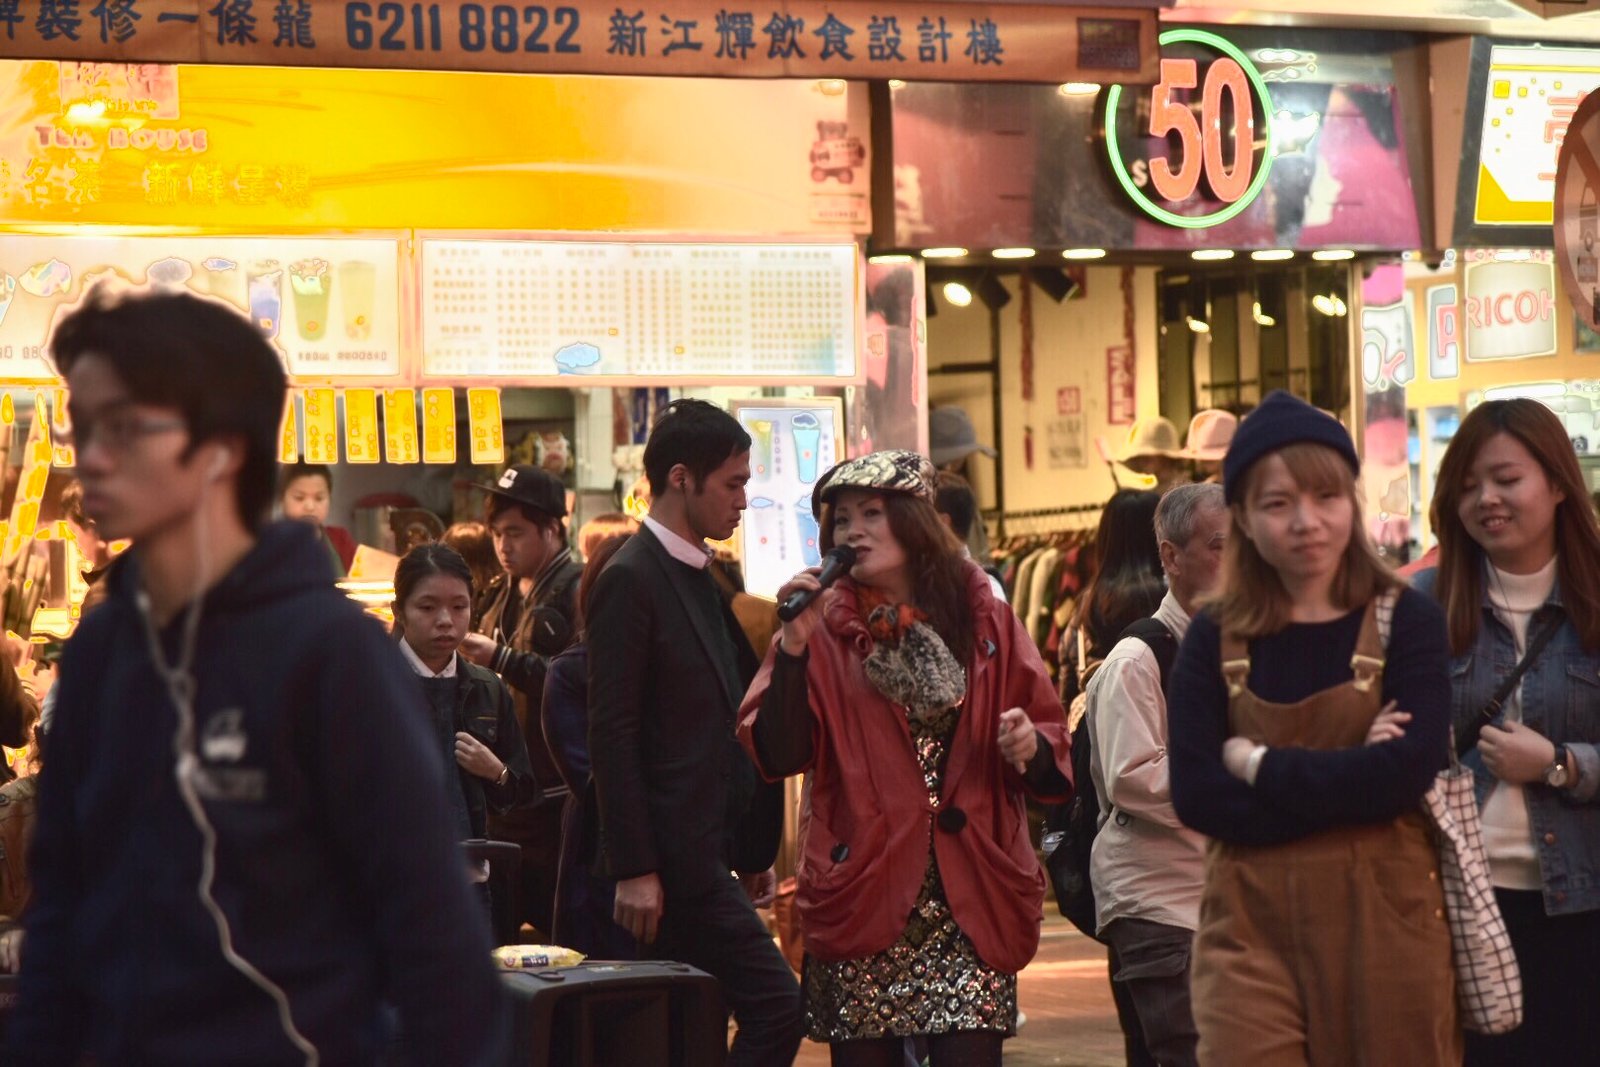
(1210, 433)
(1149, 442)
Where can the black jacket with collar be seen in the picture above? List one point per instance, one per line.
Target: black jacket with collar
(677, 795)
(524, 669)
(484, 709)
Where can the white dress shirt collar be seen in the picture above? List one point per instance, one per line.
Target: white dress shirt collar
(422, 668)
(679, 548)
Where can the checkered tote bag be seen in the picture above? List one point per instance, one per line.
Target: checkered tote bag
(1488, 982)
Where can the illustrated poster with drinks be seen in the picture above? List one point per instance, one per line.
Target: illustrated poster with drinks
(793, 442)
(329, 305)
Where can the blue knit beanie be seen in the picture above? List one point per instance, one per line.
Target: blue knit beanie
(1282, 419)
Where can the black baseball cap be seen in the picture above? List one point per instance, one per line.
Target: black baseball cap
(532, 487)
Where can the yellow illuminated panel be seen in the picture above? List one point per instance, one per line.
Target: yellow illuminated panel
(483, 417)
(361, 425)
(289, 433)
(400, 425)
(438, 426)
(322, 426)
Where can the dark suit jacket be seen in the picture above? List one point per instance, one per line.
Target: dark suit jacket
(677, 795)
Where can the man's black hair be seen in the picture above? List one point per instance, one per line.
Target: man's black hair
(695, 433)
(954, 498)
(177, 350)
(301, 469)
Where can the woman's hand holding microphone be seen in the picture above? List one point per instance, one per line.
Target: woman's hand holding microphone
(797, 631)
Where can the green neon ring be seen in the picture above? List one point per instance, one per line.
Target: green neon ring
(1150, 207)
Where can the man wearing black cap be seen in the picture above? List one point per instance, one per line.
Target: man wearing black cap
(530, 620)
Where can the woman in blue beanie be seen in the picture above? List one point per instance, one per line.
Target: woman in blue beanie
(1302, 741)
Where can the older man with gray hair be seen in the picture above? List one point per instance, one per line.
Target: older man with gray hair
(1147, 868)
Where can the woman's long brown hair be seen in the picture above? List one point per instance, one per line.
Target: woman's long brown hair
(1254, 601)
(1461, 559)
(938, 568)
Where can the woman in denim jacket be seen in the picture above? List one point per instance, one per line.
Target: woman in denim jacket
(1519, 552)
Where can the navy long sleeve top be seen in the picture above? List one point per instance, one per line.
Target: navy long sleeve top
(1301, 791)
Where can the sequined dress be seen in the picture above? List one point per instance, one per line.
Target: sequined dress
(930, 981)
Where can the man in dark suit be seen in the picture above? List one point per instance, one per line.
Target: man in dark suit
(680, 807)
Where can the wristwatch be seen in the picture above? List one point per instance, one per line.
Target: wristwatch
(1558, 774)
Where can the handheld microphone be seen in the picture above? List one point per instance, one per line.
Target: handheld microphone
(835, 565)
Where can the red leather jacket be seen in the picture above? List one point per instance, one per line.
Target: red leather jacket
(866, 818)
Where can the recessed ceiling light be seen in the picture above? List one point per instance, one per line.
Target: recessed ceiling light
(957, 294)
(1079, 89)
(1013, 253)
(943, 253)
(1083, 253)
(1198, 325)
(1261, 317)
(896, 83)
(1211, 254)
(1269, 255)
(1329, 255)
(890, 259)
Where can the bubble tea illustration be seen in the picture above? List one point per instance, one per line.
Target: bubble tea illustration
(265, 288)
(761, 455)
(309, 283)
(763, 522)
(358, 290)
(807, 432)
(810, 532)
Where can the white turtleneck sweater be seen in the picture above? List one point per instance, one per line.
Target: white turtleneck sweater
(1507, 833)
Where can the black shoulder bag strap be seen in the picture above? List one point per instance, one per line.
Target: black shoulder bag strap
(1467, 738)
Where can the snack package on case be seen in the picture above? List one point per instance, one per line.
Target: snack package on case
(535, 957)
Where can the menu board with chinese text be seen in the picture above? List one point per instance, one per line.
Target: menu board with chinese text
(569, 310)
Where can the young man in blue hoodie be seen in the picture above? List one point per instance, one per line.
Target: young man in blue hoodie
(242, 852)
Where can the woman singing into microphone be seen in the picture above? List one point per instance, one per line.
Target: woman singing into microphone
(923, 713)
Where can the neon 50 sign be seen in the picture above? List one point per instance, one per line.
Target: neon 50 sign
(1233, 90)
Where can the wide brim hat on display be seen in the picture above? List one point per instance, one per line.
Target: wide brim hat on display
(894, 471)
(1282, 420)
(1149, 439)
(532, 487)
(1210, 433)
(951, 437)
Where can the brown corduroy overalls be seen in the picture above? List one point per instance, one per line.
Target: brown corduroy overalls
(1333, 950)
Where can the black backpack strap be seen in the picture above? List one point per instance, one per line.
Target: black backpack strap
(1154, 633)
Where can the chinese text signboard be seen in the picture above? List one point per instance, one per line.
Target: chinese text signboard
(1530, 97)
(250, 149)
(696, 38)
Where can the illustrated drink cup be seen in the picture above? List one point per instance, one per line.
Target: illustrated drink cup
(807, 439)
(761, 430)
(309, 283)
(266, 296)
(357, 290)
(810, 532)
(762, 526)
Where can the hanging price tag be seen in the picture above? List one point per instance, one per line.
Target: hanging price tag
(438, 426)
(361, 425)
(483, 417)
(400, 425)
(322, 426)
(60, 426)
(289, 432)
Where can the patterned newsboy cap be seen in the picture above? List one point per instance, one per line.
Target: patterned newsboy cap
(895, 471)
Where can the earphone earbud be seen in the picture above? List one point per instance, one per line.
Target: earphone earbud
(220, 464)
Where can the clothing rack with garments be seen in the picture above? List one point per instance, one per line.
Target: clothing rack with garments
(1044, 557)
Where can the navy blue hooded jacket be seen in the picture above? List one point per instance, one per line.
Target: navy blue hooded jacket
(335, 863)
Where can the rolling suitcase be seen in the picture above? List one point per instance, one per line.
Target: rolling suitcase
(597, 1014)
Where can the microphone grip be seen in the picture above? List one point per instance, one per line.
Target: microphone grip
(799, 601)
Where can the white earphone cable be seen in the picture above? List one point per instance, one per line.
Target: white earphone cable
(180, 683)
